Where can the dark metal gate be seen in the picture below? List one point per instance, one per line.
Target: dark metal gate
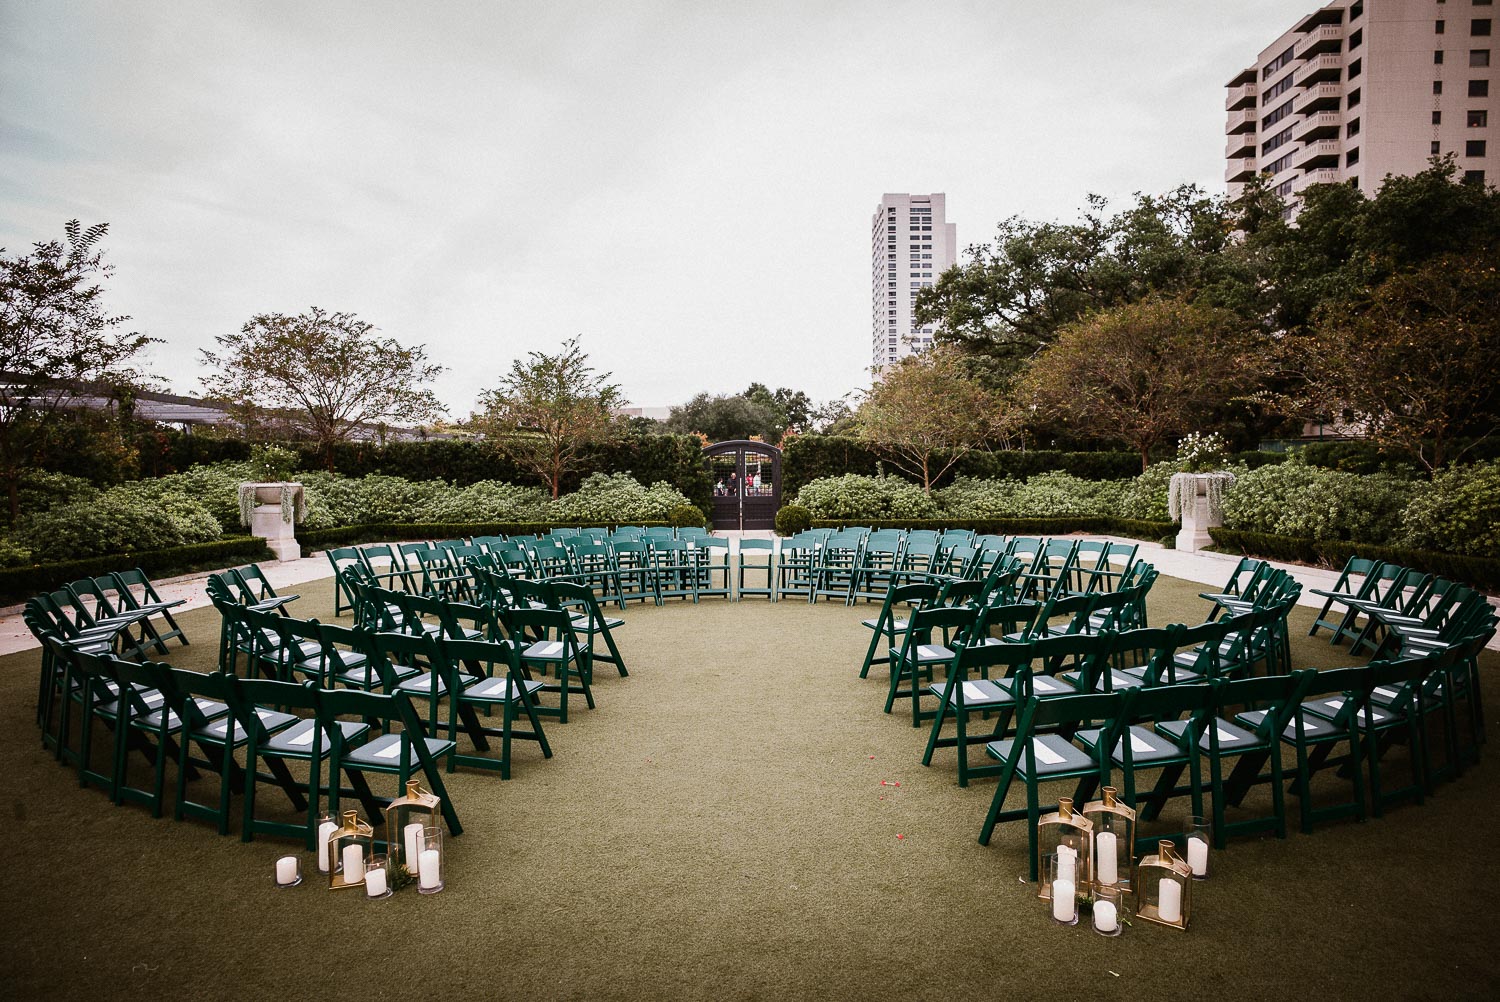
(747, 484)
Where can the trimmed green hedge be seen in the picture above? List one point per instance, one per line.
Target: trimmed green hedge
(20, 583)
(384, 532)
(1479, 572)
(1095, 524)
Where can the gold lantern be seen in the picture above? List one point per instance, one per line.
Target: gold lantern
(349, 848)
(405, 819)
(1164, 888)
(1114, 839)
(1064, 833)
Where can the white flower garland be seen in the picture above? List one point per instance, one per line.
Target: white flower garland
(293, 502)
(1183, 487)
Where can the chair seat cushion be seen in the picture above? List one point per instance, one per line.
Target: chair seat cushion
(423, 684)
(1315, 728)
(928, 654)
(385, 752)
(228, 730)
(297, 740)
(1177, 673)
(498, 689)
(975, 693)
(896, 625)
(1329, 707)
(549, 650)
(1233, 738)
(1146, 746)
(1053, 755)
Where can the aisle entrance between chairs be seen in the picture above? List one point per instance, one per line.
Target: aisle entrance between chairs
(746, 484)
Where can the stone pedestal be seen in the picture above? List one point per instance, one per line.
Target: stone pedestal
(268, 522)
(1196, 521)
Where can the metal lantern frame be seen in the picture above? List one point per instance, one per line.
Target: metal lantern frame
(416, 807)
(1109, 816)
(1065, 827)
(1165, 867)
(353, 831)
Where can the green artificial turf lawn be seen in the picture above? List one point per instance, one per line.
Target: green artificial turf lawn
(718, 828)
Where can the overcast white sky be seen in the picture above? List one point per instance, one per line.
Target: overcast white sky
(688, 185)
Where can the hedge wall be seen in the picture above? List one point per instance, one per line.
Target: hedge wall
(1095, 524)
(385, 532)
(808, 457)
(1479, 572)
(19, 583)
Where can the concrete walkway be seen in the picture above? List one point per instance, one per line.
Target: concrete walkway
(1205, 568)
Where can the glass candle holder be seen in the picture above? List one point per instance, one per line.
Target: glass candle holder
(1164, 888)
(430, 861)
(1061, 872)
(349, 848)
(327, 825)
(1066, 834)
(1109, 909)
(1199, 840)
(405, 817)
(1114, 839)
(288, 871)
(378, 877)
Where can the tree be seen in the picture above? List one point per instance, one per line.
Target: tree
(725, 417)
(924, 415)
(1415, 362)
(57, 343)
(1144, 373)
(1012, 297)
(323, 374)
(549, 409)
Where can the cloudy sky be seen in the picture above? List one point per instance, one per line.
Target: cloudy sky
(687, 185)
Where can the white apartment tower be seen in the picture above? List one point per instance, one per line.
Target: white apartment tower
(911, 244)
(1360, 89)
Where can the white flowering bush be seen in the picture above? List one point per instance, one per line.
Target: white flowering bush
(617, 497)
(1145, 497)
(1046, 495)
(490, 501)
(1199, 453)
(1458, 512)
(860, 498)
(136, 516)
(1292, 499)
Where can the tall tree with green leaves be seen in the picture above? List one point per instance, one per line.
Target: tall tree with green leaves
(924, 414)
(57, 343)
(549, 410)
(1143, 373)
(322, 374)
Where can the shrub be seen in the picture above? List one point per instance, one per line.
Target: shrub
(855, 497)
(1294, 499)
(119, 520)
(617, 497)
(1145, 497)
(12, 554)
(687, 516)
(40, 490)
(792, 519)
(490, 501)
(1458, 512)
(1046, 495)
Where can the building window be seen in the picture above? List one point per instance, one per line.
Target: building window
(1437, 86)
(1278, 63)
(1352, 157)
(1437, 57)
(1479, 26)
(1473, 177)
(1474, 148)
(1354, 98)
(1352, 129)
(1479, 88)
(1280, 139)
(1356, 68)
(1437, 118)
(1280, 165)
(1355, 9)
(1479, 57)
(1478, 119)
(1356, 38)
(1439, 27)
(1277, 89)
(1437, 148)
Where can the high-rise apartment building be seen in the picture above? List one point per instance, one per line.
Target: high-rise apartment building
(1364, 88)
(911, 243)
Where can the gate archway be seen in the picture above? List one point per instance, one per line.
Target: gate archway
(746, 484)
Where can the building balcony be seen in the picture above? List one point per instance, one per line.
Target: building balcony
(1321, 97)
(1323, 39)
(1323, 125)
(1327, 68)
(1242, 96)
(1323, 175)
(1241, 121)
(1242, 145)
(1248, 75)
(1240, 171)
(1316, 156)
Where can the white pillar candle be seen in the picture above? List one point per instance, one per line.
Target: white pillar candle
(354, 863)
(413, 838)
(1169, 900)
(429, 864)
(286, 869)
(1197, 856)
(1106, 857)
(375, 881)
(325, 829)
(1062, 900)
(1067, 863)
(1106, 916)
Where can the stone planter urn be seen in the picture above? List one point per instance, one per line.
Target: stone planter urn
(271, 511)
(1197, 499)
